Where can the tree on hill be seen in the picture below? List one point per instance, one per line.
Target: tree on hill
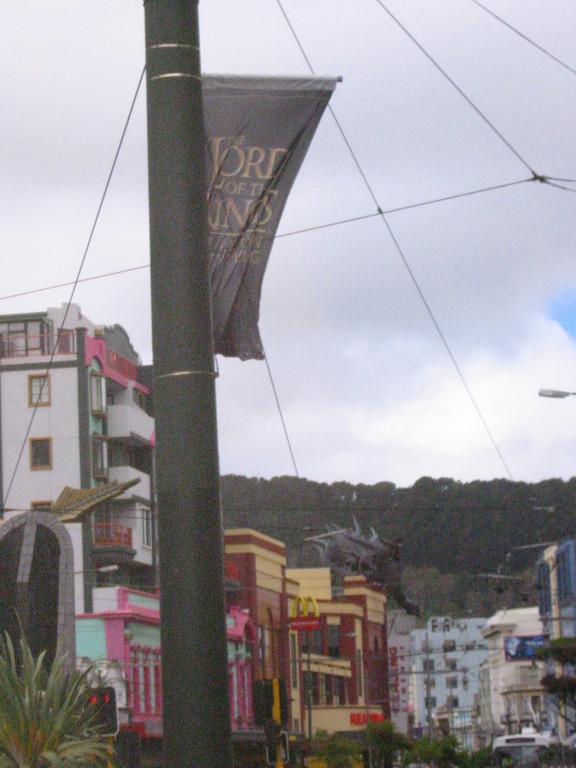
(460, 529)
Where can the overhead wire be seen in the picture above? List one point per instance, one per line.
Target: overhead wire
(399, 250)
(525, 37)
(284, 427)
(453, 83)
(291, 233)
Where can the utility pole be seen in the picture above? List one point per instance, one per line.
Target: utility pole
(196, 709)
(428, 689)
(309, 691)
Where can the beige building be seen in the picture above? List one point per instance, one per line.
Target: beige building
(511, 694)
(339, 671)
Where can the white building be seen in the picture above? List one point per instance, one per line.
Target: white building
(399, 626)
(445, 659)
(512, 695)
(75, 411)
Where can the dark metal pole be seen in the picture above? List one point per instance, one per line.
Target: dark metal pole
(309, 635)
(196, 709)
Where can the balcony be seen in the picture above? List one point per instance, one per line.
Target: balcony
(119, 364)
(125, 474)
(523, 679)
(112, 544)
(16, 347)
(130, 423)
(112, 535)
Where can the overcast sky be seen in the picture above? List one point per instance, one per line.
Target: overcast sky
(400, 348)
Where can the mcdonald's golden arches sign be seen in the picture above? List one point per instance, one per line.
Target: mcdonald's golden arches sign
(305, 614)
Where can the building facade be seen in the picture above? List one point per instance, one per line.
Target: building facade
(512, 694)
(75, 412)
(399, 626)
(335, 677)
(556, 583)
(444, 660)
(76, 416)
(339, 672)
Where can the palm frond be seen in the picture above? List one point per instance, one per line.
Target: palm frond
(45, 717)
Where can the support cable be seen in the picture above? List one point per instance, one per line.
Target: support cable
(73, 291)
(326, 225)
(525, 37)
(404, 259)
(281, 416)
(453, 83)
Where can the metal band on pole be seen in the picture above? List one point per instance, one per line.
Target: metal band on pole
(196, 708)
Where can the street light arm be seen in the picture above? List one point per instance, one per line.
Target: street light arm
(557, 393)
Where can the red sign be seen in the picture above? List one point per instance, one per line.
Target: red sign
(305, 623)
(361, 718)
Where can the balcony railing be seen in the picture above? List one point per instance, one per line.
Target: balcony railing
(112, 535)
(16, 346)
(119, 364)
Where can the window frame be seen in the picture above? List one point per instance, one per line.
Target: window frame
(44, 397)
(294, 660)
(40, 467)
(97, 392)
(359, 673)
(100, 470)
(147, 527)
(41, 506)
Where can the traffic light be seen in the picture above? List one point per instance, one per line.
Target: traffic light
(106, 717)
(272, 731)
(269, 702)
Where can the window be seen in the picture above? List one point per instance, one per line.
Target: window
(39, 390)
(99, 456)
(452, 701)
(315, 639)
(322, 689)
(359, 673)
(449, 645)
(147, 527)
(316, 688)
(23, 338)
(339, 691)
(97, 393)
(451, 682)
(41, 506)
(294, 661)
(450, 665)
(429, 703)
(428, 665)
(543, 587)
(333, 638)
(41, 453)
(264, 643)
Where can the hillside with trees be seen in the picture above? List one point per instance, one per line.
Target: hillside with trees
(451, 532)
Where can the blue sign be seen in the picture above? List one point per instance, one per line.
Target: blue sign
(522, 648)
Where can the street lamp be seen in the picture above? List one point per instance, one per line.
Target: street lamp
(557, 393)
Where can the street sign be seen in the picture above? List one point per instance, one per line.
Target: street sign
(305, 623)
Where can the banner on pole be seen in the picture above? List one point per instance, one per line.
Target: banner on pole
(258, 131)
